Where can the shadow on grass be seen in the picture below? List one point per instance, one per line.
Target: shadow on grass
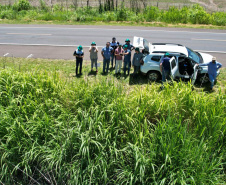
(92, 73)
(205, 87)
(138, 79)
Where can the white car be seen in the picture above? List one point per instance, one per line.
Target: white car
(182, 58)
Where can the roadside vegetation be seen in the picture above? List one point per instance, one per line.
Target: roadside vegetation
(23, 11)
(59, 129)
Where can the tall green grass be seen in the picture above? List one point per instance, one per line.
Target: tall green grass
(58, 129)
(194, 14)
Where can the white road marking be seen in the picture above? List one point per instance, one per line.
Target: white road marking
(116, 29)
(29, 56)
(29, 34)
(209, 40)
(6, 54)
(54, 45)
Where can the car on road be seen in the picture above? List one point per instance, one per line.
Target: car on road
(184, 61)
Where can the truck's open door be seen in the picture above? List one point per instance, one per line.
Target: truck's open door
(194, 76)
(174, 67)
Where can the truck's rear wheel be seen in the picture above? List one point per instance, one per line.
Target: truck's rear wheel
(153, 76)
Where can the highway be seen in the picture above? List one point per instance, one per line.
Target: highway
(60, 41)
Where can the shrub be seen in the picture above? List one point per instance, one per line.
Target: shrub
(57, 7)
(43, 6)
(21, 5)
(122, 14)
(184, 15)
(151, 13)
(8, 14)
(172, 15)
(219, 18)
(197, 15)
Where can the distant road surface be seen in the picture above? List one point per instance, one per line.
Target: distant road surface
(60, 41)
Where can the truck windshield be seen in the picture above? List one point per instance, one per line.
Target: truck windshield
(193, 55)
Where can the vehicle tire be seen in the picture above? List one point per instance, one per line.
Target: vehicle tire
(203, 78)
(153, 76)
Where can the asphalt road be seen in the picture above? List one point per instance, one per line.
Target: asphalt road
(60, 41)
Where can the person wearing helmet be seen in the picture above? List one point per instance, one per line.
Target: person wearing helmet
(130, 46)
(79, 54)
(127, 59)
(114, 45)
(93, 55)
(213, 67)
(165, 68)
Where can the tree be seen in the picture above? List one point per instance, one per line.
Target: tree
(75, 3)
(144, 3)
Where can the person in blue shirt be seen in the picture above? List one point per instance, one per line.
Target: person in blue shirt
(106, 53)
(79, 54)
(127, 59)
(165, 68)
(129, 46)
(213, 66)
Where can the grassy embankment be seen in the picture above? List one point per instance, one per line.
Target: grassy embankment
(194, 16)
(55, 128)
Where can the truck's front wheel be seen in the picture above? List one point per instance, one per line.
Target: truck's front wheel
(203, 78)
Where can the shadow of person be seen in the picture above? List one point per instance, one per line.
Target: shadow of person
(77, 76)
(117, 75)
(204, 86)
(92, 73)
(104, 74)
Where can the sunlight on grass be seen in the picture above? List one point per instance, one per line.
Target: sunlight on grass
(59, 129)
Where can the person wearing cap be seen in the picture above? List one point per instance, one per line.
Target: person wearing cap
(213, 67)
(127, 59)
(137, 59)
(129, 46)
(118, 54)
(114, 45)
(79, 54)
(165, 68)
(93, 55)
(106, 53)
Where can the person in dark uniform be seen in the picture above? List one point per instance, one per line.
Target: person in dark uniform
(165, 68)
(79, 54)
(114, 45)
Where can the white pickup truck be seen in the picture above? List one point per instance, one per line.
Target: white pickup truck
(183, 60)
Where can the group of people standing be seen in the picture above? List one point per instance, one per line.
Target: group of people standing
(116, 53)
(113, 53)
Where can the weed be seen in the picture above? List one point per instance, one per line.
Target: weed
(100, 130)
